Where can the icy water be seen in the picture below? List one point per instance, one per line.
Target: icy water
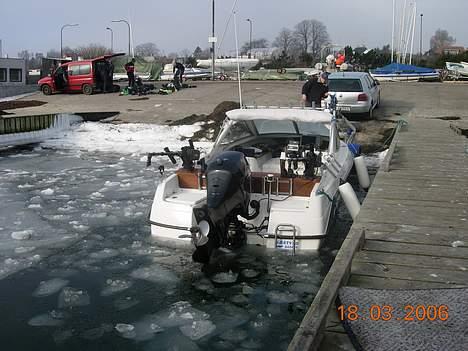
(78, 270)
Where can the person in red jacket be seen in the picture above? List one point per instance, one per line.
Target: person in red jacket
(130, 69)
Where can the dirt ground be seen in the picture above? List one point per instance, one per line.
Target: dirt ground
(209, 100)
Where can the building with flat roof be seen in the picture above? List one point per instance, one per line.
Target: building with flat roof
(13, 75)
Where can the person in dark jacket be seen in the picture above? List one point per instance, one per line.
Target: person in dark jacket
(313, 91)
(130, 69)
(179, 70)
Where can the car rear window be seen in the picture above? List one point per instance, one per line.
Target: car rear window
(345, 85)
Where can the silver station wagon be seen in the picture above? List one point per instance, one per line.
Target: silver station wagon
(356, 92)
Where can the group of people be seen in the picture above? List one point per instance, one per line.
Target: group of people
(315, 89)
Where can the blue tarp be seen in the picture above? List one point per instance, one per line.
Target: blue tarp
(398, 67)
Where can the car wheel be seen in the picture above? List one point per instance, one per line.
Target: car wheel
(87, 89)
(222, 77)
(46, 89)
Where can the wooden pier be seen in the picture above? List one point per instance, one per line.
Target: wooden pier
(411, 233)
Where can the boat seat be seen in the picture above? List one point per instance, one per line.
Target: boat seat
(190, 197)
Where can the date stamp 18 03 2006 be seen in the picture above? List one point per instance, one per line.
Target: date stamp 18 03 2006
(408, 313)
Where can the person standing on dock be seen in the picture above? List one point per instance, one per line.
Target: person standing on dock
(178, 70)
(130, 69)
(314, 91)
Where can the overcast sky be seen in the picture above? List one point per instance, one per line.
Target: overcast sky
(185, 24)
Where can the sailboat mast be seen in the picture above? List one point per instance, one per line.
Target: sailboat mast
(402, 31)
(414, 29)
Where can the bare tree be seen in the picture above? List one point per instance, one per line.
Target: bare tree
(91, 51)
(53, 53)
(284, 41)
(312, 35)
(147, 49)
(256, 44)
(185, 53)
(440, 40)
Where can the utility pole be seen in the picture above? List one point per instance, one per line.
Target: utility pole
(112, 39)
(421, 40)
(250, 46)
(129, 35)
(213, 41)
(61, 36)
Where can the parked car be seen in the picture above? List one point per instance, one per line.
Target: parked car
(75, 76)
(356, 92)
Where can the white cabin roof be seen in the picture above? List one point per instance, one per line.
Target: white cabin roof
(280, 114)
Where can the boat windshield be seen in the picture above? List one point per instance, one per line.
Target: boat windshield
(245, 129)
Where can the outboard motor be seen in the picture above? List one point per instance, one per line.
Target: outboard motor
(227, 197)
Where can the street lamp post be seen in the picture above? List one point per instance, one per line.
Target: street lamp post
(250, 46)
(61, 36)
(112, 39)
(421, 40)
(129, 34)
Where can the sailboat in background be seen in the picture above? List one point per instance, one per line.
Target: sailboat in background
(402, 70)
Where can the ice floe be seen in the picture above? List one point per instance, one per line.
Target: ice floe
(71, 297)
(50, 287)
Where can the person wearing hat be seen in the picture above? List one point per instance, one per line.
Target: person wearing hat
(314, 91)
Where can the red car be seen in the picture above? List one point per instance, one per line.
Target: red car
(87, 76)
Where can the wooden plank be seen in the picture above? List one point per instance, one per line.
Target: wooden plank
(388, 200)
(416, 249)
(392, 208)
(440, 239)
(308, 335)
(413, 218)
(410, 229)
(370, 282)
(415, 274)
(448, 263)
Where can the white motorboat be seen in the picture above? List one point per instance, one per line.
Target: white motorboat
(271, 179)
(189, 73)
(229, 64)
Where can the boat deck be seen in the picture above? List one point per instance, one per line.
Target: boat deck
(411, 233)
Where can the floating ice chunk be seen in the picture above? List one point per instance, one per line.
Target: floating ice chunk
(62, 273)
(281, 297)
(124, 303)
(234, 335)
(180, 313)
(124, 328)
(171, 341)
(203, 285)
(155, 274)
(225, 277)
(96, 195)
(25, 186)
(47, 192)
(22, 235)
(49, 319)
(24, 249)
(50, 287)
(115, 286)
(104, 254)
(143, 330)
(33, 206)
(458, 243)
(247, 290)
(70, 297)
(250, 273)
(198, 329)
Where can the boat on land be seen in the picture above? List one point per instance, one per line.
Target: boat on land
(229, 64)
(271, 179)
(189, 73)
(457, 70)
(406, 73)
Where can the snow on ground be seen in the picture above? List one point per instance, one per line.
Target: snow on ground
(376, 159)
(125, 138)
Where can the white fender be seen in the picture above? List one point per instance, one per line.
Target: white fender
(362, 173)
(350, 199)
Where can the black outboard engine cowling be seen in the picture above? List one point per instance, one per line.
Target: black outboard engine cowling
(225, 179)
(227, 197)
